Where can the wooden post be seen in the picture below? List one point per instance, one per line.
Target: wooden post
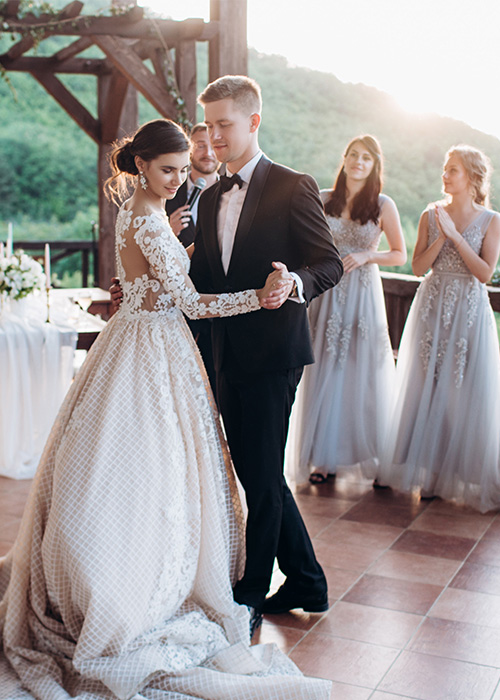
(228, 53)
(185, 73)
(107, 210)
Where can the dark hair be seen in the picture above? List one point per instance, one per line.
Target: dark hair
(200, 126)
(365, 205)
(150, 141)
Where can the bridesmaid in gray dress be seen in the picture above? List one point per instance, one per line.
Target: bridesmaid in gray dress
(446, 440)
(343, 404)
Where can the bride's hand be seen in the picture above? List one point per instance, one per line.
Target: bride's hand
(277, 289)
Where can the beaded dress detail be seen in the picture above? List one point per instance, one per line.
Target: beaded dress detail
(119, 585)
(448, 384)
(342, 409)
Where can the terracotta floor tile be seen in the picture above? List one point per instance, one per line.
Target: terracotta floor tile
(449, 508)
(432, 545)
(342, 660)
(391, 497)
(18, 485)
(296, 619)
(353, 557)
(342, 488)
(373, 513)
(316, 524)
(285, 638)
(469, 526)
(9, 527)
(496, 696)
(341, 691)
(414, 567)
(478, 577)
(494, 530)
(5, 546)
(458, 640)
(12, 503)
(364, 623)
(468, 606)
(324, 507)
(432, 678)
(379, 695)
(487, 551)
(352, 532)
(339, 581)
(382, 592)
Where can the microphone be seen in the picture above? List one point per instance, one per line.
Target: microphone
(199, 185)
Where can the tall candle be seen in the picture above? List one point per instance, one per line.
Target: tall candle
(47, 266)
(10, 241)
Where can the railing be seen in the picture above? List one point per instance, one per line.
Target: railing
(65, 249)
(399, 291)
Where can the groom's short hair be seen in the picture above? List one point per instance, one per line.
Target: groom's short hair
(243, 90)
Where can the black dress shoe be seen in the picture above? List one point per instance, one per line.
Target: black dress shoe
(286, 599)
(255, 620)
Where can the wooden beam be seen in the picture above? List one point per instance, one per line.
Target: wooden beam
(185, 72)
(115, 99)
(69, 103)
(27, 42)
(73, 49)
(171, 30)
(11, 8)
(42, 64)
(131, 66)
(228, 53)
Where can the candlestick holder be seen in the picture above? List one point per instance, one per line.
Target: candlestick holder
(48, 304)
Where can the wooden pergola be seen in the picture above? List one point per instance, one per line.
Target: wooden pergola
(127, 39)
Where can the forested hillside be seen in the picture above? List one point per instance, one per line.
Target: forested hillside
(48, 178)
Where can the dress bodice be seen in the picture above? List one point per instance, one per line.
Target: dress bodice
(449, 259)
(153, 267)
(353, 237)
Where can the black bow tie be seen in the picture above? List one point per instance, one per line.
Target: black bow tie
(228, 183)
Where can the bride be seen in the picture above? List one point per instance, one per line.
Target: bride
(119, 583)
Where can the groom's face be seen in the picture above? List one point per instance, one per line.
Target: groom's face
(232, 133)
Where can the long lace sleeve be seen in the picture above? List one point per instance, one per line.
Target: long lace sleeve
(162, 256)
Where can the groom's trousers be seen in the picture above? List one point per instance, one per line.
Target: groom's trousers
(256, 409)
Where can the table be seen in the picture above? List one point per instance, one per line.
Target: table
(36, 370)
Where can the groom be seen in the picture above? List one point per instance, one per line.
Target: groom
(263, 216)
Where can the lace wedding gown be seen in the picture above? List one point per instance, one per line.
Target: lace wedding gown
(119, 583)
(445, 435)
(341, 414)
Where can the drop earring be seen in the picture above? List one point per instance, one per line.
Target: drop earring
(142, 180)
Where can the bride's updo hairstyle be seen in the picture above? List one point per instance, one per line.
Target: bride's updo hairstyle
(365, 205)
(151, 140)
(478, 169)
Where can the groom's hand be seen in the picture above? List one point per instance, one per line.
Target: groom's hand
(116, 294)
(280, 282)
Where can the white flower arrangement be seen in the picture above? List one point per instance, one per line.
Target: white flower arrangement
(20, 275)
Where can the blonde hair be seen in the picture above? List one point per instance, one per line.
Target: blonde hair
(243, 90)
(478, 168)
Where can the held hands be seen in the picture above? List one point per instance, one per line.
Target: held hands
(116, 293)
(179, 219)
(277, 289)
(354, 260)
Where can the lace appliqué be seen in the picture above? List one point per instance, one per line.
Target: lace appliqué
(449, 302)
(425, 347)
(473, 296)
(337, 339)
(461, 360)
(363, 327)
(430, 294)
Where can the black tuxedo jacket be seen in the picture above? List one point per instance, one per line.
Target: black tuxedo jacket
(187, 234)
(282, 220)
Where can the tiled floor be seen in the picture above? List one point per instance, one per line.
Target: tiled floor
(414, 591)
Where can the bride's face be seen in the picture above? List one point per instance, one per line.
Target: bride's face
(166, 174)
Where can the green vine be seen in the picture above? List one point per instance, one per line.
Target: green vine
(48, 22)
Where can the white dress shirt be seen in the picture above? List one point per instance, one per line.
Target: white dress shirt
(230, 206)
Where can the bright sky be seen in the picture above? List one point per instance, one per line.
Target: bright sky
(438, 56)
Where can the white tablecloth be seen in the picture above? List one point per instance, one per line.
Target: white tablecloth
(36, 369)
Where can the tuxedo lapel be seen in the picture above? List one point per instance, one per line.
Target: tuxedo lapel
(252, 199)
(212, 242)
